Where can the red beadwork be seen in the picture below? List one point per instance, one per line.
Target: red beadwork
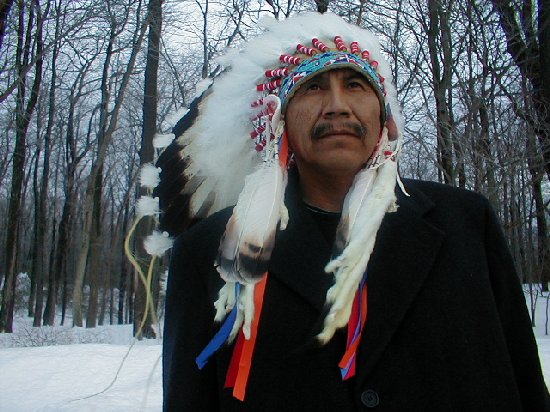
(269, 86)
(280, 72)
(305, 50)
(285, 58)
(319, 44)
(374, 64)
(340, 43)
(258, 115)
(257, 131)
(365, 55)
(355, 47)
(257, 103)
(381, 78)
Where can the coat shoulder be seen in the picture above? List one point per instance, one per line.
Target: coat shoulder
(448, 208)
(442, 193)
(203, 238)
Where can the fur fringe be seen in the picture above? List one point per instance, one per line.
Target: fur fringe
(349, 266)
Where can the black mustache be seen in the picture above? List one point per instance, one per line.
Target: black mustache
(324, 128)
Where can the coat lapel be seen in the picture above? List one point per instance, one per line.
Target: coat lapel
(405, 250)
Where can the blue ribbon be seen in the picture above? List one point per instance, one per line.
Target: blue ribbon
(345, 371)
(221, 336)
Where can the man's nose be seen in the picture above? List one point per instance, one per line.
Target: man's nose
(336, 103)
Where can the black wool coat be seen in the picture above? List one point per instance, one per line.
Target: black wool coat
(447, 326)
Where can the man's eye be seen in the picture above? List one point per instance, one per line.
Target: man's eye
(355, 84)
(312, 87)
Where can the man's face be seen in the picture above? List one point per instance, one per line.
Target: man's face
(333, 123)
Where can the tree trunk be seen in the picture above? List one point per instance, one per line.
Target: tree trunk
(111, 306)
(143, 326)
(23, 117)
(44, 184)
(122, 291)
(37, 271)
(51, 299)
(64, 297)
(104, 295)
(322, 5)
(123, 286)
(544, 58)
(543, 242)
(205, 54)
(438, 26)
(5, 6)
(59, 266)
(95, 263)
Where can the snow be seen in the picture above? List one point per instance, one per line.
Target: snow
(79, 377)
(108, 370)
(100, 369)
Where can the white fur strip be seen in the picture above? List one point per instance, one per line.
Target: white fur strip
(225, 302)
(147, 206)
(245, 308)
(149, 176)
(352, 263)
(157, 243)
(355, 198)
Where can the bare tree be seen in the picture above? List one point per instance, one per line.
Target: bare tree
(528, 43)
(144, 311)
(41, 211)
(107, 126)
(5, 6)
(73, 157)
(24, 111)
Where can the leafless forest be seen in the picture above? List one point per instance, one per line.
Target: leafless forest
(86, 84)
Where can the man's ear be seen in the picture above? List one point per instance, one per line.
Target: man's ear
(286, 134)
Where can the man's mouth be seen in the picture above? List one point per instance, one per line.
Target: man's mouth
(339, 133)
(325, 130)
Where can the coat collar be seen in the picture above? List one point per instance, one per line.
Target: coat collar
(406, 247)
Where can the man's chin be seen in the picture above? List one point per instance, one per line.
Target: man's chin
(341, 164)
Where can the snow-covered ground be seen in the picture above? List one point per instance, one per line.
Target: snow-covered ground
(102, 369)
(81, 378)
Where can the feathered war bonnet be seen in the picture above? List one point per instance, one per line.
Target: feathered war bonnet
(236, 153)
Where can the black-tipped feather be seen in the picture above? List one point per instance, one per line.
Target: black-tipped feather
(175, 188)
(189, 118)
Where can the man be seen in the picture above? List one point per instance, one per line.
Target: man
(336, 291)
